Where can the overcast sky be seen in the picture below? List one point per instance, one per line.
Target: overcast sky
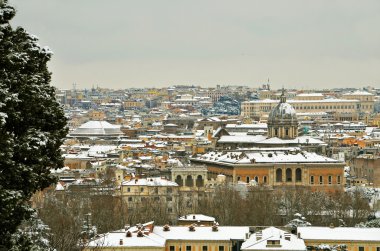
(123, 44)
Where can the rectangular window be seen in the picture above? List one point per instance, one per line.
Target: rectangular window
(338, 181)
(188, 248)
(330, 180)
(171, 248)
(361, 248)
(142, 189)
(312, 180)
(221, 248)
(320, 180)
(377, 248)
(204, 248)
(128, 189)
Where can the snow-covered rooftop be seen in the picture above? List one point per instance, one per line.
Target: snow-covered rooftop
(261, 139)
(155, 181)
(286, 241)
(196, 218)
(339, 233)
(303, 101)
(246, 126)
(310, 95)
(158, 236)
(358, 92)
(265, 157)
(97, 128)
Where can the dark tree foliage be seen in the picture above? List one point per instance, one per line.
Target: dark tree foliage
(32, 123)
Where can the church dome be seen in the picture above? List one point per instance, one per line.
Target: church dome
(283, 111)
(282, 120)
(97, 129)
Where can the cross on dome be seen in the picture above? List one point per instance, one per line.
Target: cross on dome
(283, 97)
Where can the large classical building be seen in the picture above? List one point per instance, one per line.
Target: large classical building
(276, 167)
(347, 108)
(340, 109)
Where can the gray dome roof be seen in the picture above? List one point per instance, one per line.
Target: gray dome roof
(283, 111)
(97, 129)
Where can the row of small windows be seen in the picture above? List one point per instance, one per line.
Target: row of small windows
(267, 108)
(321, 180)
(298, 177)
(169, 189)
(189, 248)
(256, 179)
(325, 107)
(367, 106)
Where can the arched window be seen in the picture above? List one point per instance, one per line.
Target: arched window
(238, 178)
(247, 179)
(189, 181)
(298, 175)
(199, 182)
(257, 179)
(265, 179)
(179, 180)
(279, 175)
(288, 175)
(276, 132)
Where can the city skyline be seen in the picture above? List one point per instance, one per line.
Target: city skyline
(128, 44)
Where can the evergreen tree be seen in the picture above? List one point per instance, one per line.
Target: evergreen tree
(32, 124)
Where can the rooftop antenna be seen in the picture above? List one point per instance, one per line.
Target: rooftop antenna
(75, 93)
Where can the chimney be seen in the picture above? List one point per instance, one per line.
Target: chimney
(331, 225)
(166, 228)
(215, 227)
(259, 235)
(121, 242)
(193, 217)
(140, 234)
(191, 228)
(287, 236)
(129, 234)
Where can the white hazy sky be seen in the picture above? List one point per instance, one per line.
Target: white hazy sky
(152, 43)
